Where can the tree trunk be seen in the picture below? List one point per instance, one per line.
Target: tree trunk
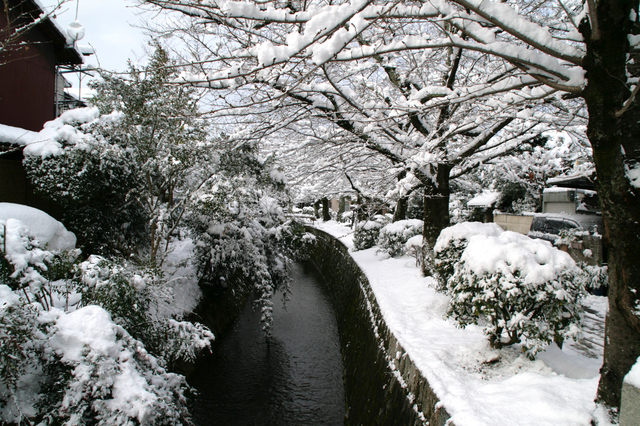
(401, 209)
(400, 212)
(436, 206)
(435, 214)
(325, 210)
(616, 145)
(316, 209)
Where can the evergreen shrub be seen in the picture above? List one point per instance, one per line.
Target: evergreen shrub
(521, 290)
(393, 236)
(366, 234)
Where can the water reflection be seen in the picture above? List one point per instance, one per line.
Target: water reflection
(293, 379)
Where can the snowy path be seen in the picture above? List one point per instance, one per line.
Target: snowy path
(476, 384)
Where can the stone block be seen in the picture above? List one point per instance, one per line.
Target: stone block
(630, 406)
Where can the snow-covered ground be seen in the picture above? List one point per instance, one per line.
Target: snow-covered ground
(477, 384)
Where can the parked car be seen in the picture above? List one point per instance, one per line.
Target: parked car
(548, 226)
(589, 248)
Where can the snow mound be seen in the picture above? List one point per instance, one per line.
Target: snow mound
(536, 260)
(47, 230)
(88, 327)
(465, 230)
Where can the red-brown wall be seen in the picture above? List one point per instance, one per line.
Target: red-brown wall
(27, 83)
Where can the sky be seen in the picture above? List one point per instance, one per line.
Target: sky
(110, 28)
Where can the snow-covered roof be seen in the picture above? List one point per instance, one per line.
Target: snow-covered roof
(583, 179)
(16, 135)
(486, 199)
(65, 52)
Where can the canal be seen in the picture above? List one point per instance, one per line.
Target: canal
(293, 378)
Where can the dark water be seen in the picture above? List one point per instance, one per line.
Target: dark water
(293, 379)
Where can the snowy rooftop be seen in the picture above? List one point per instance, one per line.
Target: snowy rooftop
(486, 199)
(476, 384)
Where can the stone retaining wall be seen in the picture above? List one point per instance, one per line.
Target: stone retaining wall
(382, 385)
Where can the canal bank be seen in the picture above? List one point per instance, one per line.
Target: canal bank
(382, 384)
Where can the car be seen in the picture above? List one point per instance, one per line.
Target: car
(548, 226)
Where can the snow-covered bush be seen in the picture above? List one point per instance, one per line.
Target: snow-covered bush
(83, 366)
(366, 234)
(414, 247)
(109, 379)
(521, 290)
(452, 242)
(393, 236)
(95, 184)
(595, 277)
(346, 217)
(19, 329)
(133, 297)
(26, 266)
(80, 368)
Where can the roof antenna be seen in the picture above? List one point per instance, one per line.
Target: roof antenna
(75, 31)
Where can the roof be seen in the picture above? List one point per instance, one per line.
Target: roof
(16, 136)
(584, 180)
(486, 199)
(65, 54)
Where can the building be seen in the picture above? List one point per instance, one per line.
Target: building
(29, 92)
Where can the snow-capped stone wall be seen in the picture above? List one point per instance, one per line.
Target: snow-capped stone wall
(382, 384)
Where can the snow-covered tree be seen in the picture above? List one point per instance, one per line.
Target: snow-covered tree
(433, 115)
(522, 177)
(546, 51)
(130, 165)
(243, 239)
(72, 362)
(160, 125)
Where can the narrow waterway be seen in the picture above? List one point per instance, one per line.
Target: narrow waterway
(294, 378)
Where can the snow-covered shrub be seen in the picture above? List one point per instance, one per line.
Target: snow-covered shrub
(79, 368)
(393, 236)
(452, 242)
(19, 328)
(595, 277)
(414, 247)
(94, 184)
(111, 379)
(346, 216)
(132, 296)
(366, 234)
(51, 234)
(520, 289)
(26, 266)
(83, 367)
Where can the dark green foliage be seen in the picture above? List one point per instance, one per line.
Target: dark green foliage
(446, 259)
(97, 191)
(366, 234)
(394, 236)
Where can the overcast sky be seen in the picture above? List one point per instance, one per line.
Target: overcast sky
(109, 28)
